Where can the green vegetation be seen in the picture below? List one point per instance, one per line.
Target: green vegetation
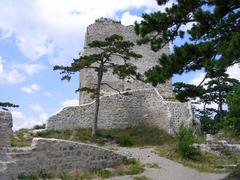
(39, 126)
(136, 136)
(234, 175)
(185, 138)
(140, 178)
(233, 116)
(102, 62)
(6, 105)
(22, 138)
(210, 45)
(128, 167)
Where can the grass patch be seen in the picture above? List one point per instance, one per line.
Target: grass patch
(140, 178)
(21, 138)
(207, 162)
(136, 136)
(130, 167)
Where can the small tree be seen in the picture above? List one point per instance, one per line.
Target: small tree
(233, 115)
(215, 90)
(101, 62)
(6, 105)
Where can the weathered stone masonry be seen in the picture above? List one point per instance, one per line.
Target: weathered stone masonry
(104, 28)
(143, 104)
(49, 155)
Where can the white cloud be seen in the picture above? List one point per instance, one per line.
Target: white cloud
(197, 79)
(128, 19)
(29, 69)
(30, 89)
(36, 107)
(11, 76)
(57, 28)
(234, 71)
(70, 102)
(22, 121)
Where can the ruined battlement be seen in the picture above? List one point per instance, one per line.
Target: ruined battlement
(104, 28)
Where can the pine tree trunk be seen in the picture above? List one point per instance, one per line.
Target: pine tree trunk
(94, 125)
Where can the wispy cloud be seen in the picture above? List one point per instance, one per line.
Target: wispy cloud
(42, 32)
(11, 76)
(36, 107)
(31, 89)
(29, 69)
(22, 121)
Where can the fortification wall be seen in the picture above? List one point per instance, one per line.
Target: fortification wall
(180, 113)
(144, 106)
(88, 78)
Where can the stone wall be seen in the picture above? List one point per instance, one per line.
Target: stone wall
(103, 28)
(137, 107)
(49, 155)
(180, 113)
(5, 129)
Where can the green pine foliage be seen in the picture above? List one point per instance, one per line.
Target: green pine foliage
(6, 105)
(214, 39)
(102, 62)
(214, 36)
(233, 115)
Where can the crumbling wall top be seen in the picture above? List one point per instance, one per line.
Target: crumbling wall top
(102, 19)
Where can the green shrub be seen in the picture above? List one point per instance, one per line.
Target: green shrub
(39, 126)
(185, 138)
(210, 126)
(125, 141)
(234, 175)
(232, 123)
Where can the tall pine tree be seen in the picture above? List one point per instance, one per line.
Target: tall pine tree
(102, 62)
(215, 36)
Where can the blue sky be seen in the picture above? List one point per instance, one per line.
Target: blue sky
(38, 34)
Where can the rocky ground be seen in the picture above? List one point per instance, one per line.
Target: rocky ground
(163, 168)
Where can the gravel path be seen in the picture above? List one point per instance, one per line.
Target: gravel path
(167, 170)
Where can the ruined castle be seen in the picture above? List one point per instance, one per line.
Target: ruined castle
(144, 103)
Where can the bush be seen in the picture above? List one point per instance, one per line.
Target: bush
(210, 126)
(39, 126)
(125, 141)
(233, 116)
(185, 138)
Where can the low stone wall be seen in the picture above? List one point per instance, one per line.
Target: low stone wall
(49, 155)
(144, 106)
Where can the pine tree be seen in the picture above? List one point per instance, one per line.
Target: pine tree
(214, 91)
(214, 36)
(102, 62)
(6, 105)
(233, 115)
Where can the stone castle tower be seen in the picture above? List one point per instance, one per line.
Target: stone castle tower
(103, 28)
(144, 103)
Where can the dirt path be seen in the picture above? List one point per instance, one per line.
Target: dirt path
(167, 170)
